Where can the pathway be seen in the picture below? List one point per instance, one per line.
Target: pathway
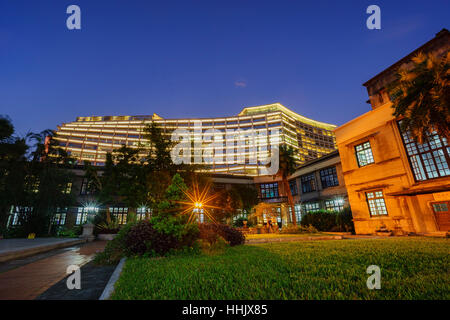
(29, 281)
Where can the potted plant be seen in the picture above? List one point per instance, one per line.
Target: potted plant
(107, 231)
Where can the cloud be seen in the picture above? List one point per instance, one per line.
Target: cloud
(240, 84)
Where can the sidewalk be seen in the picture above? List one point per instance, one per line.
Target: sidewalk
(29, 281)
(20, 248)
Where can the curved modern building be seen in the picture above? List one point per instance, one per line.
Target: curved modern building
(235, 145)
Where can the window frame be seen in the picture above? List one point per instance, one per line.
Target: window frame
(419, 169)
(375, 204)
(269, 188)
(363, 150)
(304, 180)
(334, 179)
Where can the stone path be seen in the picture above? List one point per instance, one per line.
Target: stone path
(30, 280)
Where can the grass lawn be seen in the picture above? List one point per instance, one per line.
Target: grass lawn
(411, 268)
(284, 235)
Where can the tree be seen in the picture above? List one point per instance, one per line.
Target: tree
(421, 96)
(287, 167)
(12, 169)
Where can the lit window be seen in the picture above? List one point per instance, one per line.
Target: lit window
(308, 183)
(428, 160)
(142, 212)
(83, 213)
(364, 154)
(375, 200)
(269, 190)
(119, 214)
(311, 207)
(60, 216)
(328, 177)
(334, 205)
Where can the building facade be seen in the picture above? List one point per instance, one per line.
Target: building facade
(237, 145)
(316, 185)
(393, 182)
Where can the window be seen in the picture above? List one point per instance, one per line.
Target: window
(311, 207)
(364, 154)
(60, 216)
(428, 160)
(375, 200)
(328, 177)
(293, 187)
(87, 187)
(68, 188)
(141, 213)
(334, 205)
(119, 214)
(298, 215)
(269, 190)
(308, 183)
(17, 213)
(83, 213)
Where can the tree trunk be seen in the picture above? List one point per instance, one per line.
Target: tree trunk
(290, 200)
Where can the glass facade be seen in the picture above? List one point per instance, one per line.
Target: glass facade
(253, 131)
(269, 190)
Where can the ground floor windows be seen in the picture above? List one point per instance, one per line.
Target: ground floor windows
(334, 205)
(119, 214)
(376, 203)
(311, 207)
(16, 213)
(83, 214)
(142, 213)
(60, 216)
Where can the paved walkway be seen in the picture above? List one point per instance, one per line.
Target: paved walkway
(30, 280)
(19, 248)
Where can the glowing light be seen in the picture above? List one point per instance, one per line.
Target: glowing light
(199, 202)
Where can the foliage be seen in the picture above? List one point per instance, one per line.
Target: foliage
(65, 232)
(287, 167)
(239, 222)
(231, 235)
(291, 229)
(421, 96)
(411, 268)
(107, 227)
(329, 220)
(116, 248)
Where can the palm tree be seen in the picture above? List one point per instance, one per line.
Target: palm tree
(287, 167)
(421, 96)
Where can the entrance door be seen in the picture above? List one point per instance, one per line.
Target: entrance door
(442, 214)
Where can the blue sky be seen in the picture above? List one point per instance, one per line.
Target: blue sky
(200, 58)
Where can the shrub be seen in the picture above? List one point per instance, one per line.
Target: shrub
(291, 229)
(329, 220)
(115, 249)
(239, 222)
(69, 233)
(107, 228)
(231, 235)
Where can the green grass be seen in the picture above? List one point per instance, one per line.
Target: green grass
(284, 235)
(411, 268)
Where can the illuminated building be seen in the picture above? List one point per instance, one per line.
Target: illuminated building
(394, 183)
(253, 130)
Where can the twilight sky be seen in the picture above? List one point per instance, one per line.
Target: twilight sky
(200, 58)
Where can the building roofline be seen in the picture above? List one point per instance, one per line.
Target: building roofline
(444, 32)
(328, 156)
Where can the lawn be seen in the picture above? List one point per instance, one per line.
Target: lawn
(282, 235)
(411, 268)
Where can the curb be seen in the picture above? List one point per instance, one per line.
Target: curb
(109, 289)
(39, 249)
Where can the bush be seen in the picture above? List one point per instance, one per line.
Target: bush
(69, 233)
(329, 220)
(239, 222)
(210, 231)
(298, 229)
(115, 249)
(144, 238)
